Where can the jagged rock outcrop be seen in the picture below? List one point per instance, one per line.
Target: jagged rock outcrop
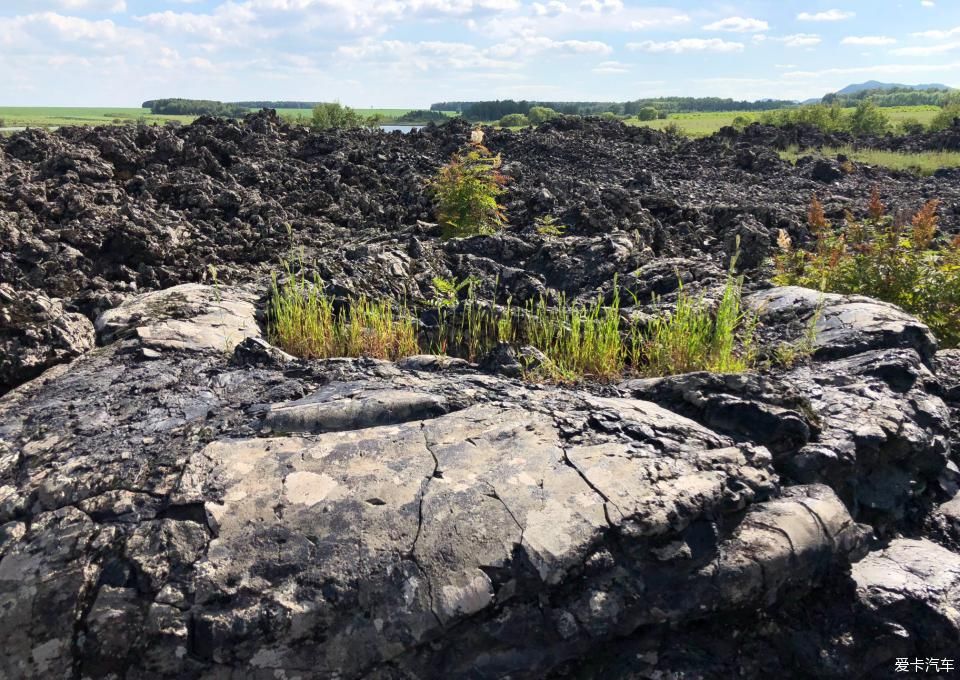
(180, 499)
(37, 333)
(171, 509)
(91, 216)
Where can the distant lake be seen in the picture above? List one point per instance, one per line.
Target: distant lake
(400, 128)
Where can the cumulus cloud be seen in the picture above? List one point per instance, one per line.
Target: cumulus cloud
(881, 70)
(800, 40)
(828, 15)
(738, 25)
(868, 40)
(92, 5)
(611, 68)
(45, 29)
(938, 34)
(549, 9)
(927, 50)
(666, 21)
(686, 45)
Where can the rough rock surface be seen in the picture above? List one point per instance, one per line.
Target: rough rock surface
(37, 333)
(180, 514)
(90, 216)
(184, 500)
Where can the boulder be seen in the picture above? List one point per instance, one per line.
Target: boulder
(188, 516)
(36, 332)
(191, 316)
(843, 325)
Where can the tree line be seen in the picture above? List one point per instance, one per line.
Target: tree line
(194, 107)
(900, 96)
(497, 109)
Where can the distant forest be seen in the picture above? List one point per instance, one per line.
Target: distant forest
(194, 107)
(494, 110)
(895, 97)
(279, 105)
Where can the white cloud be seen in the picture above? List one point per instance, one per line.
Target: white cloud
(611, 67)
(738, 25)
(868, 40)
(47, 29)
(926, 50)
(92, 5)
(938, 35)
(927, 3)
(440, 56)
(800, 40)
(889, 70)
(686, 45)
(660, 22)
(534, 44)
(601, 5)
(556, 19)
(550, 9)
(828, 15)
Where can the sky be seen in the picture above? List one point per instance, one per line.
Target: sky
(411, 53)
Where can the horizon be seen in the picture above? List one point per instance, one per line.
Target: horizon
(412, 53)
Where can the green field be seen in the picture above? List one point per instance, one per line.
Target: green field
(40, 116)
(385, 114)
(704, 124)
(37, 116)
(692, 124)
(924, 164)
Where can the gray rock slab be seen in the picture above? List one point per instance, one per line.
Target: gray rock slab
(191, 316)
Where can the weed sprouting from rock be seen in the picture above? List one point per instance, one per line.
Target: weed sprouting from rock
(548, 225)
(696, 338)
(882, 257)
(304, 321)
(467, 190)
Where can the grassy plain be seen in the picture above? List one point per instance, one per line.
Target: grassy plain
(705, 124)
(55, 116)
(920, 163)
(41, 116)
(383, 113)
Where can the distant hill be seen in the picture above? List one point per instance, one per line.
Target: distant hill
(877, 85)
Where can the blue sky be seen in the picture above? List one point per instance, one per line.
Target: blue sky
(414, 52)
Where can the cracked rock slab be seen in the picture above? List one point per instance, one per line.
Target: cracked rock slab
(190, 316)
(845, 325)
(915, 584)
(338, 408)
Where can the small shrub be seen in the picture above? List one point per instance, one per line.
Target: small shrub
(868, 119)
(647, 113)
(514, 120)
(672, 128)
(945, 117)
(541, 114)
(883, 258)
(466, 192)
(548, 225)
(333, 115)
(741, 122)
(827, 118)
(911, 126)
